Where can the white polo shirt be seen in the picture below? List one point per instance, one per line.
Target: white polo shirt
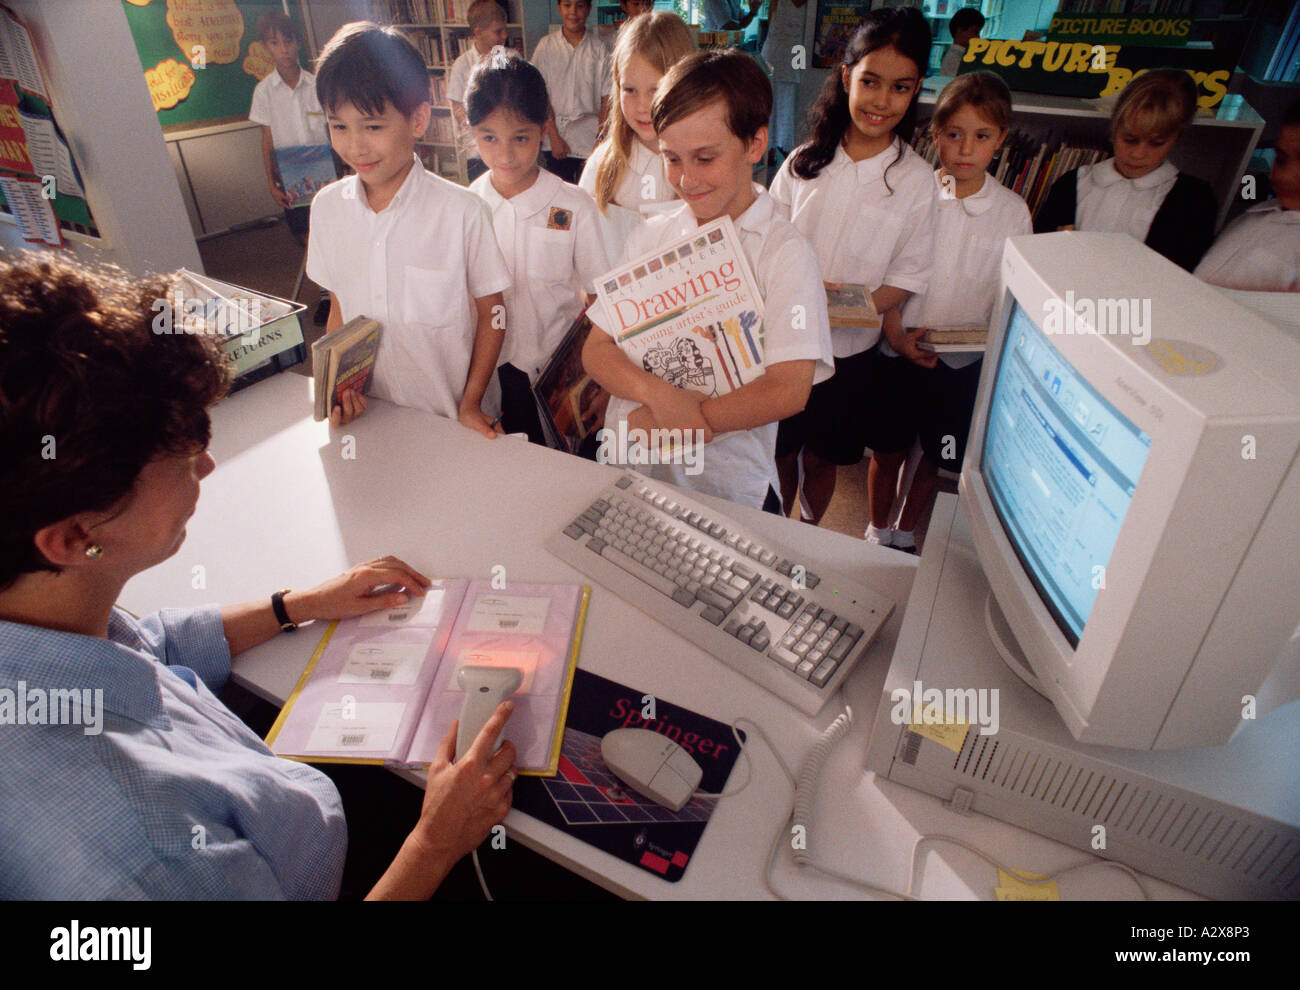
(643, 191)
(294, 115)
(577, 78)
(968, 238)
(457, 83)
(551, 242)
(740, 466)
(862, 232)
(416, 266)
(1105, 200)
(1259, 251)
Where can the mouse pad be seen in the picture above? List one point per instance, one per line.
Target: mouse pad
(586, 800)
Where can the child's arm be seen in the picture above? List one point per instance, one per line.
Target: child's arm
(889, 297)
(671, 408)
(779, 393)
(559, 150)
(905, 341)
(488, 337)
(458, 111)
(272, 171)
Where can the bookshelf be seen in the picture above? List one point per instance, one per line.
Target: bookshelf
(1214, 148)
(438, 29)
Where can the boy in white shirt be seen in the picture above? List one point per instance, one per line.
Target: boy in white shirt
(488, 22)
(1260, 250)
(575, 64)
(711, 113)
(285, 104)
(965, 25)
(399, 244)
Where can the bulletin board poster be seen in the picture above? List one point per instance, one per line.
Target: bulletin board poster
(836, 23)
(201, 58)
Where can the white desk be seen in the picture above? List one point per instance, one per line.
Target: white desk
(286, 508)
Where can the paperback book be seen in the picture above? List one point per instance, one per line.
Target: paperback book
(304, 170)
(342, 360)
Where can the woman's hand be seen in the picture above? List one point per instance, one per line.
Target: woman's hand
(462, 801)
(352, 593)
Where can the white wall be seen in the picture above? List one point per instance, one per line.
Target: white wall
(99, 94)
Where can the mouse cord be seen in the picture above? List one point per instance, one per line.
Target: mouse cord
(916, 846)
(479, 870)
(749, 762)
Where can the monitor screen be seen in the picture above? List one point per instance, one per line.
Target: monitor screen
(1061, 464)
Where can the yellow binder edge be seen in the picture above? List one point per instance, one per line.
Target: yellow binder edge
(553, 766)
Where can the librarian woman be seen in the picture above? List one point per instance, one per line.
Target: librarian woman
(167, 794)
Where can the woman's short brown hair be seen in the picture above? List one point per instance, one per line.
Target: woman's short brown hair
(89, 394)
(699, 79)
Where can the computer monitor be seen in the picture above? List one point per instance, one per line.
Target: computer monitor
(1132, 482)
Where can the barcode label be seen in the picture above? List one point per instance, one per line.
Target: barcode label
(381, 673)
(509, 623)
(352, 739)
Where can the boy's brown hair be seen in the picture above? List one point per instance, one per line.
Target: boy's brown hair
(370, 66)
(699, 79)
(984, 92)
(484, 13)
(1160, 102)
(277, 22)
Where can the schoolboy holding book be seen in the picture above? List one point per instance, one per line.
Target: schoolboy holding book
(399, 244)
(711, 113)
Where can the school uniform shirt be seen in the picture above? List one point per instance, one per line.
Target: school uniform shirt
(1171, 212)
(741, 465)
(643, 191)
(416, 266)
(457, 83)
(293, 114)
(552, 246)
(951, 63)
(168, 796)
(969, 235)
(1259, 251)
(577, 78)
(720, 12)
(862, 232)
(784, 31)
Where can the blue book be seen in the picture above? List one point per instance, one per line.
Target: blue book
(304, 170)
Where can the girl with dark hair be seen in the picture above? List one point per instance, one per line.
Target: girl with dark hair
(864, 198)
(547, 229)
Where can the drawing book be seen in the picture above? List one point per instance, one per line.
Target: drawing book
(342, 360)
(381, 688)
(851, 306)
(690, 313)
(305, 169)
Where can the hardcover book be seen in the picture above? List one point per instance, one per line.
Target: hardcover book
(690, 313)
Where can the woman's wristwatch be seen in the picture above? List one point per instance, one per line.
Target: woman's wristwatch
(281, 616)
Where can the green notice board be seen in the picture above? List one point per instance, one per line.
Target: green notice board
(201, 58)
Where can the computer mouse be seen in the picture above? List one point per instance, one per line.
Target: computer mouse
(652, 765)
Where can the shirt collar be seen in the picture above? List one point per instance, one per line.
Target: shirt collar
(1106, 174)
(120, 666)
(759, 214)
(1274, 206)
(869, 169)
(304, 78)
(977, 202)
(407, 191)
(532, 200)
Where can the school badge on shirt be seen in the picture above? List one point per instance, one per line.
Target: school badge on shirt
(559, 219)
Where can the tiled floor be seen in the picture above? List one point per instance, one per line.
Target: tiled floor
(267, 258)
